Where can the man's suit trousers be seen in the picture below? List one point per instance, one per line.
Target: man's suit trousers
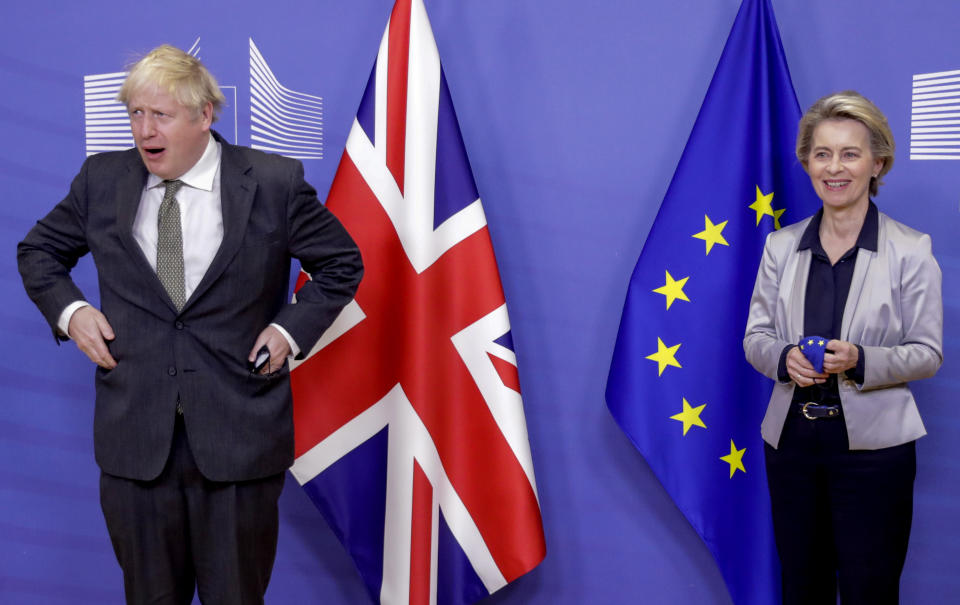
(181, 532)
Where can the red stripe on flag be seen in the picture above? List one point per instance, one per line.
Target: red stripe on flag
(405, 338)
(421, 534)
(301, 279)
(398, 59)
(507, 371)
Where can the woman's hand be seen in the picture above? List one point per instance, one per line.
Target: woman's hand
(801, 371)
(843, 357)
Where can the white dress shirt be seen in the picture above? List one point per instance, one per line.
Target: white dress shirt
(201, 219)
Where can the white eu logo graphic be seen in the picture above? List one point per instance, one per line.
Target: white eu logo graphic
(283, 121)
(935, 116)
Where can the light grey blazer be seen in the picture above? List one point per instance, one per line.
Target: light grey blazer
(894, 311)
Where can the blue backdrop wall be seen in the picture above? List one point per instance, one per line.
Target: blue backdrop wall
(574, 115)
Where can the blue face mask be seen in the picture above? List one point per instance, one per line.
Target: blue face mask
(813, 348)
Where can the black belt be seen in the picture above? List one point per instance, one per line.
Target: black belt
(812, 410)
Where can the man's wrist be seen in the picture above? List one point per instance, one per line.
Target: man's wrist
(294, 349)
(63, 324)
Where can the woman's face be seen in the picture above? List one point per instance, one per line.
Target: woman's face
(841, 163)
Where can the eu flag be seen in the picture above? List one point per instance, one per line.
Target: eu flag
(679, 385)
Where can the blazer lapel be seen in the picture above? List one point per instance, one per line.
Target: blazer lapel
(864, 258)
(129, 190)
(237, 190)
(797, 295)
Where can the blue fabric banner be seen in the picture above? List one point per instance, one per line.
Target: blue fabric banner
(679, 385)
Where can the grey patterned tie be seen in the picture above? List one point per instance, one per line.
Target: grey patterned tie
(170, 245)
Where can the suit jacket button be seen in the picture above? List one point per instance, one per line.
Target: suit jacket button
(178, 325)
(172, 371)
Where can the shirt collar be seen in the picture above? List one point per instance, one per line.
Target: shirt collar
(202, 174)
(867, 239)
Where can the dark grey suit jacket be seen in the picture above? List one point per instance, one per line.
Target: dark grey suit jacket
(239, 425)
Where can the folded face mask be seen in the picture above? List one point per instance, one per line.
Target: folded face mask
(814, 348)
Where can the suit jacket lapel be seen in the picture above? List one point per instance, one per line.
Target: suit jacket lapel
(129, 190)
(797, 295)
(237, 190)
(855, 314)
(864, 258)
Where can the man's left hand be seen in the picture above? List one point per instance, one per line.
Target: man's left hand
(278, 346)
(843, 357)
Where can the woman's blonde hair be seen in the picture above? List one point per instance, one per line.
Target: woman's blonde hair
(849, 105)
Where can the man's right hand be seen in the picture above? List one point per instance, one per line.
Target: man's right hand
(90, 329)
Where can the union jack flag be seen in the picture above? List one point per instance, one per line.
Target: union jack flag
(411, 437)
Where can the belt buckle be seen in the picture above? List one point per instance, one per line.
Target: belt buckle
(830, 412)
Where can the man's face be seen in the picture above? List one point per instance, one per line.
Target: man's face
(170, 137)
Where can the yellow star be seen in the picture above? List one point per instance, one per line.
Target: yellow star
(690, 416)
(664, 356)
(712, 234)
(763, 205)
(673, 289)
(734, 459)
(776, 218)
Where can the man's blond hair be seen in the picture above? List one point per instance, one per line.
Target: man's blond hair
(179, 74)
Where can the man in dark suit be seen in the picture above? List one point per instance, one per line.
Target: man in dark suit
(192, 239)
